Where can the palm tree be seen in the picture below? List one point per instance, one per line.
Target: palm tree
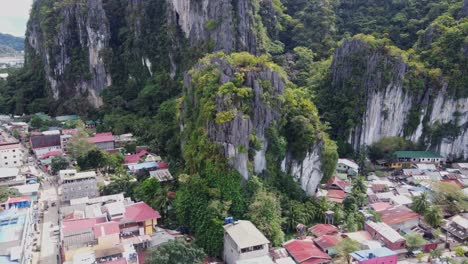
(420, 203)
(433, 216)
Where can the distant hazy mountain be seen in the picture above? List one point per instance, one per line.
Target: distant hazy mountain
(13, 42)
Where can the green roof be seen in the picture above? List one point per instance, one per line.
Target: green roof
(66, 118)
(43, 116)
(416, 154)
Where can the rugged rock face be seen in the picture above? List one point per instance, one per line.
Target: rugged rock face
(81, 34)
(248, 112)
(388, 101)
(77, 39)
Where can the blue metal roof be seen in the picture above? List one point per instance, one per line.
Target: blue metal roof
(144, 165)
(363, 255)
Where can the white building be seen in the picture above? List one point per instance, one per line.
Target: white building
(11, 155)
(347, 166)
(11, 177)
(242, 240)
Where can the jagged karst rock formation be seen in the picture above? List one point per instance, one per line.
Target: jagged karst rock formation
(79, 41)
(71, 49)
(237, 104)
(388, 104)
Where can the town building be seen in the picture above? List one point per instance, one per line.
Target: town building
(400, 218)
(383, 232)
(75, 184)
(305, 251)
(242, 240)
(11, 154)
(11, 177)
(328, 244)
(319, 230)
(107, 228)
(364, 238)
(16, 231)
(457, 226)
(103, 141)
(375, 256)
(347, 166)
(418, 157)
(43, 144)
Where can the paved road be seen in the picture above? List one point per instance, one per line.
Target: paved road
(49, 241)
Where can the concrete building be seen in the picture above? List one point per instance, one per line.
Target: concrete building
(242, 240)
(11, 154)
(457, 226)
(383, 232)
(75, 185)
(44, 144)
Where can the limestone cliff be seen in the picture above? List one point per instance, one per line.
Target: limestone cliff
(237, 100)
(391, 100)
(69, 37)
(87, 45)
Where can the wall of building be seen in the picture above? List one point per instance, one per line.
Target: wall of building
(406, 225)
(42, 151)
(105, 145)
(381, 260)
(11, 156)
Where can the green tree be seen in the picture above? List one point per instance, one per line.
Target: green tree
(175, 252)
(79, 145)
(420, 203)
(6, 192)
(154, 194)
(435, 254)
(460, 251)
(433, 216)
(120, 182)
(346, 247)
(265, 213)
(450, 197)
(59, 163)
(93, 159)
(414, 241)
(384, 148)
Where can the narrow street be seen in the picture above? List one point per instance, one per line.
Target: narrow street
(49, 239)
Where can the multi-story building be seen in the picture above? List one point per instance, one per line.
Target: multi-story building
(11, 154)
(242, 240)
(75, 184)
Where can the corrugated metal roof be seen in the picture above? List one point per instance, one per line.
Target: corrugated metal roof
(245, 234)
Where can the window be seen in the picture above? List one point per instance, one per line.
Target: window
(6, 163)
(245, 250)
(5, 157)
(14, 150)
(14, 162)
(259, 247)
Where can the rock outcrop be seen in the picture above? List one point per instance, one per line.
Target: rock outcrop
(79, 40)
(388, 102)
(71, 49)
(246, 101)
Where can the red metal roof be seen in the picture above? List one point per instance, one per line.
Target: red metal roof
(75, 225)
(336, 196)
(45, 141)
(18, 199)
(323, 229)
(325, 242)
(305, 251)
(102, 137)
(52, 154)
(163, 165)
(335, 181)
(456, 182)
(380, 206)
(105, 229)
(397, 215)
(139, 212)
(134, 158)
(71, 131)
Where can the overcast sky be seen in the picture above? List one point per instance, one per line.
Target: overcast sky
(14, 16)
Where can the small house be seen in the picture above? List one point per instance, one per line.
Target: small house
(381, 255)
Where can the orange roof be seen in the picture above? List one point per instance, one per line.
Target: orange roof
(323, 229)
(305, 251)
(380, 206)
